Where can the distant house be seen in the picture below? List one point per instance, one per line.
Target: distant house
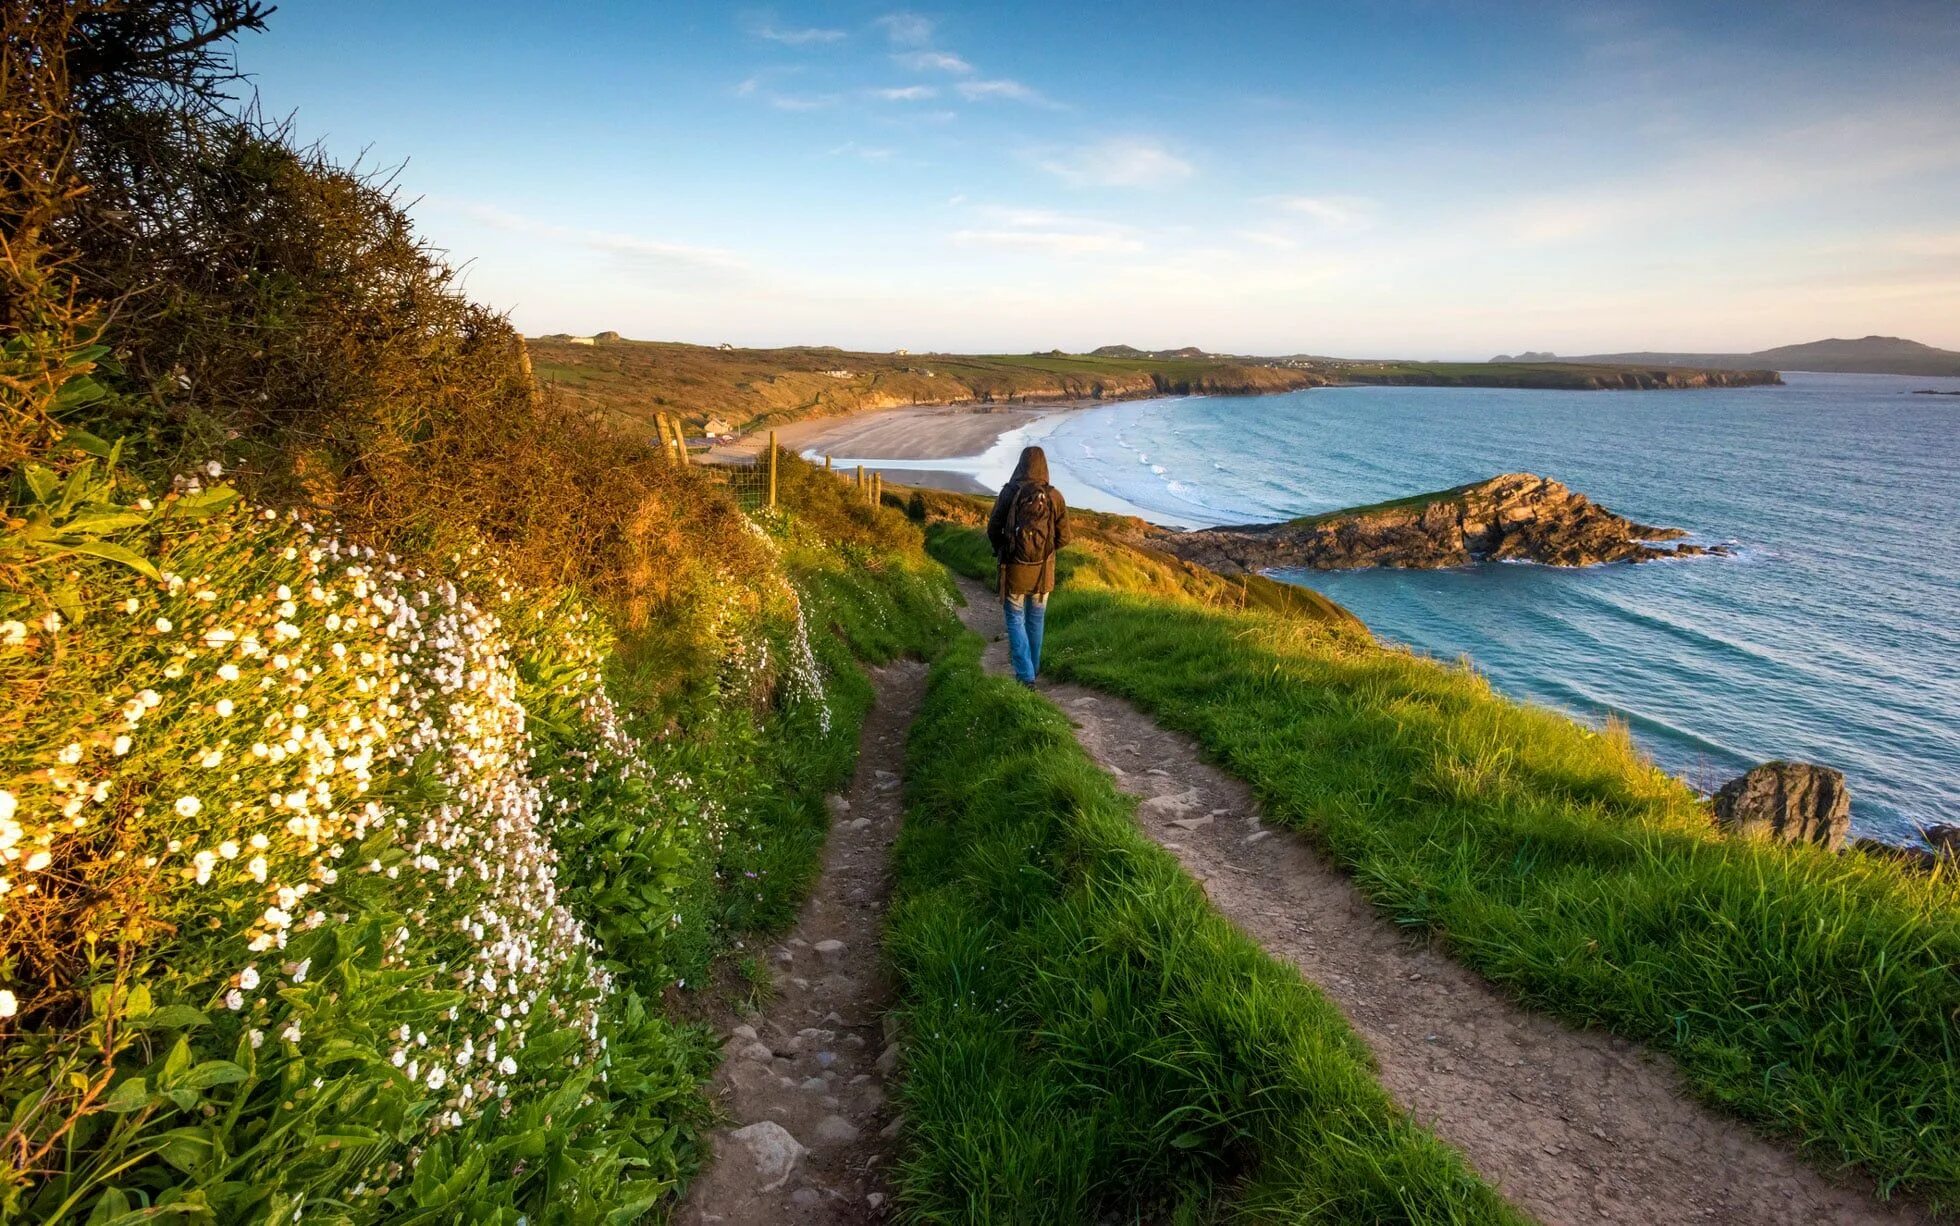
(838, 374)
(901, 353)
(717, 427)
(581, 340)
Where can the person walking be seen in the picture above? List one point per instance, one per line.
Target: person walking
(1028, 527)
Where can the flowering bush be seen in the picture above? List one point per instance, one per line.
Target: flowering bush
(278, 888)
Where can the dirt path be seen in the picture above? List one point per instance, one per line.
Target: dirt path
(1572, 1126)
(803, 1081)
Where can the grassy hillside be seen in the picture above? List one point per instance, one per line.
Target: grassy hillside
(629, 381)
(1809, 992)
(1087, 1040)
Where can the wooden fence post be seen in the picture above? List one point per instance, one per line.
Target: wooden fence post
(680, 441)
(877, 489)
(826, 463)
(772, 470)
(860, 478)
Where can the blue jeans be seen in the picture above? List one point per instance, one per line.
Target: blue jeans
(1024, 615)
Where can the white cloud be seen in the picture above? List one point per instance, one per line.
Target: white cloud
(1121, 162)
(798, 38)
(1334, 212)
(1014, 91)
(870, 153)
(1053, 242)
(906, 29)
(1047, 231)
(906, 93)
(656, 253)
(932, 61)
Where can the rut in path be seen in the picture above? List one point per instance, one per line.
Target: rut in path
(803, 1082)
(1571, 1126)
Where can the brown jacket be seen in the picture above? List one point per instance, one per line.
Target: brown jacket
(1018, 578)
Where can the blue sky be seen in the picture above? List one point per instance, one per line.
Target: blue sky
(1422, 178)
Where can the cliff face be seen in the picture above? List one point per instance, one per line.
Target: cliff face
(1515, 517)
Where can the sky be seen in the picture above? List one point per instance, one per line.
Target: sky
(1410, 178)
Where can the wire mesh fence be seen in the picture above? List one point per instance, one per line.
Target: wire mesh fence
(753, 484)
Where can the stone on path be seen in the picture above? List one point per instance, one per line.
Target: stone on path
(830, 951)
(836, 1130)
(773, 1152)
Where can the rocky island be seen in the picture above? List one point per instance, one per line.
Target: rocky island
(1516, 517)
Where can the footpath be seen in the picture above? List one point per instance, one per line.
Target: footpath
(1570, 1126)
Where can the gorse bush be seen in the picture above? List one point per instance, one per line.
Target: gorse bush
(361, 800)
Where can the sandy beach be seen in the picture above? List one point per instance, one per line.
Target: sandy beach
(924, 432)
(907, 433)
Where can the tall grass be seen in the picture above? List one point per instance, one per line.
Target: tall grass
(1087, 1040)
(1817, 995)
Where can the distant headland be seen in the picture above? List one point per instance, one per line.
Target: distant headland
(1870, 355)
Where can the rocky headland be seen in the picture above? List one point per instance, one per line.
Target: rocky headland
(1517, 517)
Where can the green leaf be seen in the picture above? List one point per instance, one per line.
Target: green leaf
(178, 1060)
(104, 550)
(173, 1017)
(131, 1094)
(186, 1148)
(213, 1073)
(82, 440)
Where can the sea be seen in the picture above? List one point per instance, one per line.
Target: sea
(1830, 635)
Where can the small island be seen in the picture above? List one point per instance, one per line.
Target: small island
(1516, 517)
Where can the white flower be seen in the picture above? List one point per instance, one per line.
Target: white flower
(52, 622)
(7, 805)
(228, 849)
(121, 746)
(211, 759)
(223, 707)
(227, 672)
(213, 469)
(204, 862)
(8, 1005)
(13, 633)
(298, 971)
(507, 1066)
(290, 1033)
(132, 605)
(234, 1000)
(188, 806)
(257, 1037)
(38, 861)
(249, 978)
(163, 625)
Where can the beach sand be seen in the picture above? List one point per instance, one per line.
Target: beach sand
(925, 432)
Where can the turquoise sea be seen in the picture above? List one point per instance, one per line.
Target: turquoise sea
(1832, 635)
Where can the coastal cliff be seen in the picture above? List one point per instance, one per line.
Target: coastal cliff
(745, 390)
(1516, 517)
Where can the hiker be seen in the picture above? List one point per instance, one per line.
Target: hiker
(1028, 526)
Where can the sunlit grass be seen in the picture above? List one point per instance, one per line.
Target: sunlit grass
(1814, 994)
(1087, 1040)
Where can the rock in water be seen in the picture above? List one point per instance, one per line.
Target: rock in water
(772, 1149)
(1789, 802)
(1518, 517)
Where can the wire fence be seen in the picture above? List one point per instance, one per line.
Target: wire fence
(753, 485)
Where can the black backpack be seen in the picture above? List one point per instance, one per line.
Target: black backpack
(1030, 525)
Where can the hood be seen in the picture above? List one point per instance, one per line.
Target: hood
(1033, 466)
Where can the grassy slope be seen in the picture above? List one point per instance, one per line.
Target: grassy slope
(1814, 994)
(628, 381)
(1087, 1039)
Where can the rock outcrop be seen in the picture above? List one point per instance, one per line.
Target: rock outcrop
(1516, 517)
(1787, 802)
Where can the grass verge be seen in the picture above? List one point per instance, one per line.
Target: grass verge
(1087, 1039)
(1812, 993)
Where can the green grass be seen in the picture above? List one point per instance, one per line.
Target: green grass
(1086, 1039)
(1814, 994)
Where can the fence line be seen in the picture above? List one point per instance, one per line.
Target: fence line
(753, 485)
